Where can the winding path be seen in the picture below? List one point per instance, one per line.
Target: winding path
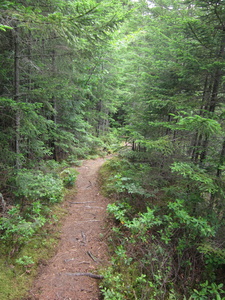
(81, 250)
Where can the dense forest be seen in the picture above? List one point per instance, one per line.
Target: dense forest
(144, 79)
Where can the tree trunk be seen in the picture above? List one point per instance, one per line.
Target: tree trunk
(197, 140)
(54, 104)
(203, 154)
(211, 101)
(221, 161)
(211, 108)
(16, 86)
(196, 148)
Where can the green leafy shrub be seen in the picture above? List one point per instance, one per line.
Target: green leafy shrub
(119, 211)
(125, 179)
(24, 261)
(170, 241)
(73, 160)
(124, 281)
(17, 227)
(52, 166)
(68, 177)
(35, 185)
(196, 175)
(35, 191)
(209, 291)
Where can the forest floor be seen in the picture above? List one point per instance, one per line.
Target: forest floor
(82, 248)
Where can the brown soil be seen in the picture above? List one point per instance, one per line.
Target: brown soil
(82, 248)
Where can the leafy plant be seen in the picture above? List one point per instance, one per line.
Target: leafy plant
(15, 229)
(69, 176)
(161, 241)
(119, 211)
(25, 261)
(197, 175)
(209, 291)
(35, 185)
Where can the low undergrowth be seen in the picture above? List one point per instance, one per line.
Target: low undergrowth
(31, 214)
(19, 268)
(30, 224)
(166, 241)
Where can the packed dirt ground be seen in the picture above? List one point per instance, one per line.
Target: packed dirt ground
(71, 273)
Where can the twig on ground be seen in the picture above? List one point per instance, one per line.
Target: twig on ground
(68, 259)
(91, 256)
(90, 184)
(81, 202)
(84, 237)
(88, 221)
(86, 274)
(84, 262)
(99, 207)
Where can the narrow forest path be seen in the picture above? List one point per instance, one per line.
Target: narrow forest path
(81, 249)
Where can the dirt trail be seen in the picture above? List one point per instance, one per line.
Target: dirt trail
(81, 249)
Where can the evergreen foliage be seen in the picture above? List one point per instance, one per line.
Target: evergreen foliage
(169, 213)
(76, 77)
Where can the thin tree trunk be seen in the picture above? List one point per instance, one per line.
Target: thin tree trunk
(193, 146)
(16, 84)
(212, 106)
(209, 103)
(204, 150)
(29, 61)
(197, 148)
(215, 90)
(54, 104)
(197, 139)
(221, 161)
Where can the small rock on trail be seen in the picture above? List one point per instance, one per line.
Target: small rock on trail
(81, 249)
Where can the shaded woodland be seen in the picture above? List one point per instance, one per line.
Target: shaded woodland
(144, 79)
